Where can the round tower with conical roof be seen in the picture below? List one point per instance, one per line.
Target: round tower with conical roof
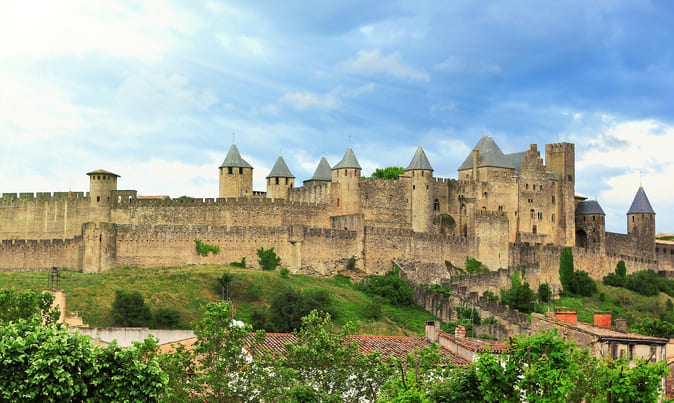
(346, 181)
(590, 225)
(322, 174)
(280, 180)
(641, 225)
(421, 172)
(236, 175)
(101, 185)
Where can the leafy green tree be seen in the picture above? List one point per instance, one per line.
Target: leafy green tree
(544, 292)
(520, 295)
(130, 310)
(566, 269)
(168, 318)
(645, 282)
(25, 305)
(268, 259)
(47, 363)
(654, 328)
(462, 385)
(284, 272)
(389, 286)
(582, 284)
(621, 269)
(289, 306)
(618, 278)
(388, 172)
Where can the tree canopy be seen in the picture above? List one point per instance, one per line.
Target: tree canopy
(388, 172)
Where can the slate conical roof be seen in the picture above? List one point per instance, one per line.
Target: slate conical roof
(233, 159)
(492, 156)
(589, 207)
(323, 171)
(349, 161)
(419, 161)
(280, 169)
(640, 204)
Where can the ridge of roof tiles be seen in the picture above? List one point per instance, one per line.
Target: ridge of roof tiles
(323, 171)
(280, 169)
(234, 160)
(640, 204)
(349, 161)
(589, 207)
(491, 155)
(419, 161)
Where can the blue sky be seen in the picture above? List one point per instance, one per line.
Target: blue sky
(153, 90)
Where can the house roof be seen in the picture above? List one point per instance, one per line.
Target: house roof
(280, 169)
(101, 172)
(605, 333)
(349, 161)
(233, 159)
(323, 171)
(589, 207)
(640, 204)
(387, 346)
(475, 345)
(492, 156)
(419, 161)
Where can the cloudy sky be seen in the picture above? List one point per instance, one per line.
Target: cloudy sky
(154, 90)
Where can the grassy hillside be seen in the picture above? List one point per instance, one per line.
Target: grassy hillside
(190, 288)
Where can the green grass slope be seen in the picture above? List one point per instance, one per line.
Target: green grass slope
(189, 289)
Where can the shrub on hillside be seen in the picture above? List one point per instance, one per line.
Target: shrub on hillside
(241, 264)
(268, 259)
(645, 282)
(130, 310)
(618, 278)
(582, 284)
(390, 287)
(544, 292)
(203, 248)
(519, 296)
(168, 318)
(289, 306)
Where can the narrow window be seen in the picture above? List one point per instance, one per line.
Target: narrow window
(346, 172)
(426, 187)
(286, 181)
(485, 195)
(422, 173)
(229, 170)
(553, 218)
(553, 199)
(527, 186)
(277, 181)
(338, 202)
(240, 171)
(534, 230)
(593, 217)
(98, 198)
(436, 205)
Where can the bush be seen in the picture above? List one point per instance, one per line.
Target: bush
(284, 272)
(168, 318)
(618, 278)
(289, 306)
(468, 313)
(474, 266)
(645, 282)
(373, 310)
(351, 264)
(582, 284)
(389, 286)
(490, 295)
(519, 296)
(129, 309)
(203, 248)
(241, 264)
(544, 292)
(268, 259)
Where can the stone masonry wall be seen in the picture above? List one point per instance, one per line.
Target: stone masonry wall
(38, 255)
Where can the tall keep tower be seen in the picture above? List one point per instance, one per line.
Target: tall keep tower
(560, 160)
(422, 176)
(236, 175)
(345, 176)
(101, 184)
(280, 180)
(641, 225)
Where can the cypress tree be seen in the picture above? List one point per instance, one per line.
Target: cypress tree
(566, 269)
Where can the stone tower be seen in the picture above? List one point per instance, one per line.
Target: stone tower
(323, 174)
(421, 172)
(560, 160)
(641, 225)
(101, 184)
(345, 178)
(280, 180)
(590, 225)
(236, 176)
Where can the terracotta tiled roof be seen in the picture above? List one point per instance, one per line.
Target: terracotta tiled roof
(476, 345)
(387, 346)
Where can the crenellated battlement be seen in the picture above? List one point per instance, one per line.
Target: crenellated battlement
(21, 199)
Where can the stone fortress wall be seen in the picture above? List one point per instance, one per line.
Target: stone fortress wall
(505, 213)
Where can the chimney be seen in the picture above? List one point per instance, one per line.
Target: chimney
(460, 331)
(432, 331)
(602, 319)
(570, 317)
(621, 325)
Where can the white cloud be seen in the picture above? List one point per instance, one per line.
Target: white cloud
(38, 29)
(311, 100)
(373, 61)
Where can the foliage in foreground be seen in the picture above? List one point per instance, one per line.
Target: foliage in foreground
(48, 363)
(25, 305)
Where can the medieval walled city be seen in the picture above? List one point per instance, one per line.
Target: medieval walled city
(509, 211)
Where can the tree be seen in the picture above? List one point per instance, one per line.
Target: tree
(582, 284)
(566, 269)
(544, 292)
(26, 304)
(389, 286)
(289, 306)
(654, 328)
(618, 278)
(48, 363)
(268, 259)
(225, 281)
(388, 172)
(129, 309)
(519, 296)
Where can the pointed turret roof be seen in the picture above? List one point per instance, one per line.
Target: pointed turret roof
(233, 159)
(323, 171)
(640, 204)
(349, 161)
(280, 169)
(589, 207)
(419, 161)
(492, 156)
